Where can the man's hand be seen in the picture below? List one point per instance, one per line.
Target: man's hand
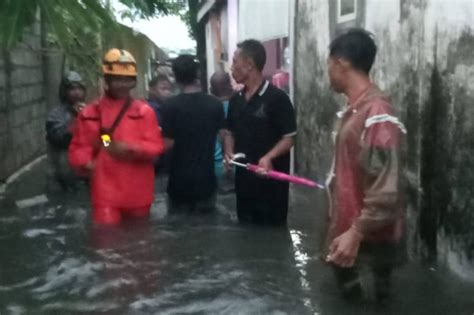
(228, 146)
(265, 165)
(344, 249)
(227, 159)
(89, 167)
(79, 106)
(119, 150)
(87, 170)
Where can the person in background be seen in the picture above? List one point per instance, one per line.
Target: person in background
(115, 142)
(281, 79)
(221, 88)
(261, 124)
(191, 121)
(365, 184)
(59, 126)
(159, 91)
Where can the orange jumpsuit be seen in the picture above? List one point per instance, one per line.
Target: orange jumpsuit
(118, 187)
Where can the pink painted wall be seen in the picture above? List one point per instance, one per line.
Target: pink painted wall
(272, 50)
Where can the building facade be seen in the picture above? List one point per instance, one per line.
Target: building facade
(230, 22)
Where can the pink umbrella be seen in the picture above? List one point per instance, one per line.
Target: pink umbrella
(274, 174)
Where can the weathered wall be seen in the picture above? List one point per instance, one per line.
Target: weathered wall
(22, 104)
(315, 103)
(426, 63)
(29, 82)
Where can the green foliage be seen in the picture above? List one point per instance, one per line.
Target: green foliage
(78, 28)
(190, 18)
(198, 33)
(148, 8)
(14, 15)
(64, 19)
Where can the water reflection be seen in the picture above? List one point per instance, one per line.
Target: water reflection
(54, 261)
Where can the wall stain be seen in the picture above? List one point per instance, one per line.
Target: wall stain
(435, 101)
(461, 52)
(458, 221)
(435, 159)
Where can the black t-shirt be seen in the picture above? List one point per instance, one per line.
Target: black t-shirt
(259, 123)
(257, 126)
(192, 120)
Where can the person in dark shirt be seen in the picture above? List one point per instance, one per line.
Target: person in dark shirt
(59, 126)
(191, 121)
(260, 123)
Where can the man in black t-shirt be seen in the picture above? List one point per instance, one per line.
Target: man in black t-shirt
(260, 123)
(191, 121)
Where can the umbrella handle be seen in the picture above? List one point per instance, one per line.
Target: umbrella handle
(277, 175)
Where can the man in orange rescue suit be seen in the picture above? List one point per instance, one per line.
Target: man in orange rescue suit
(115, 143)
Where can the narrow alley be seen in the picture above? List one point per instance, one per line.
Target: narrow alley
(55, 262)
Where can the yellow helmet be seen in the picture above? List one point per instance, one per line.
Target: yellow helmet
(119, 62)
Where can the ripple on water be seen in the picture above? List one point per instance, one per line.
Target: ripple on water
(83, 306)
(19, 285)
(98, 289)
(222, 304)
(9, 220)
(32, 233)
(71, 272)
(16, 310)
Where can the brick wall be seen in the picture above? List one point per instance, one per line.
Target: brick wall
(22, 104)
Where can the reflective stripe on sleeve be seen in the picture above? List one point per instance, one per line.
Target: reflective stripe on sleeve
(385, 118)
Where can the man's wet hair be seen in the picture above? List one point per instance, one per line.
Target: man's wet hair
(157, 79)
(356, 46)
(254, 50)
(185, 69)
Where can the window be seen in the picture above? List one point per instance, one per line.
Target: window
(344, 14)
(346, 10)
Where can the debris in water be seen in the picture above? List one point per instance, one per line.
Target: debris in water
(30, 202)
(37, 232)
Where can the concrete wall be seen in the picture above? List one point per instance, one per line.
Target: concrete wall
(29, 81)
(22, 104)
(212, 63)
(233, 30)
(425, 62)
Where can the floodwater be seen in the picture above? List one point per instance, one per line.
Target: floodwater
(53, 261)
